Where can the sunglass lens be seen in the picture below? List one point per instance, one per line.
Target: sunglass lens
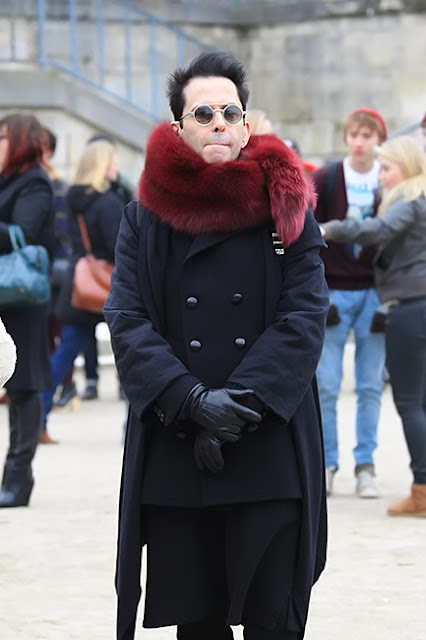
(232, 114)
(204, 114)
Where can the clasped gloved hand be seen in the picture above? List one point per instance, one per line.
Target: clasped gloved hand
(208, 452)
(219, 412)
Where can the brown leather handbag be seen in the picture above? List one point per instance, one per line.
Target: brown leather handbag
(92, 277)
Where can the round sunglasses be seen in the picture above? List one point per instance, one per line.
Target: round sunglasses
(204, 114)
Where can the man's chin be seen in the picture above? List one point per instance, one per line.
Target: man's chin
(214, 154)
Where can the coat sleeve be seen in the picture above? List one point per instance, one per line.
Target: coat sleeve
(7, 355)
(109, 223)
(281, 364)
(146, 363)
(378, 230)
(31, 210)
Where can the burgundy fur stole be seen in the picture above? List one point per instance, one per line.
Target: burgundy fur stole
(266, 182)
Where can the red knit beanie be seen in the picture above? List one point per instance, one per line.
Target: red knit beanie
(378, 117)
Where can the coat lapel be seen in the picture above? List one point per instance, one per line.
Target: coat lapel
(203, 241)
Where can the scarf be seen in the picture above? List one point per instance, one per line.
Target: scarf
(267, 183)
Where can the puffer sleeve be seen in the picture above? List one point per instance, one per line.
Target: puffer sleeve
(7, 355)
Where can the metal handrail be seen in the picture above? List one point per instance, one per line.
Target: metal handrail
(113, 45)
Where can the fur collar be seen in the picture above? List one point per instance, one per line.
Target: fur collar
(266, 183)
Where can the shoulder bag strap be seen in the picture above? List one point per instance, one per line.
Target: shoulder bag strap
(17, 237)
(83, 232)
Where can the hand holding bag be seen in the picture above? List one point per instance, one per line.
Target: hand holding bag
(92, 277)
(24, 272)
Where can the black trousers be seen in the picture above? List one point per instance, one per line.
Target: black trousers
(211, 568)
(211, 629)
(406, 362)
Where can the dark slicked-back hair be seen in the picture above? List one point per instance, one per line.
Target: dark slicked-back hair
(51, 139)
(27, 140)
(208, 64)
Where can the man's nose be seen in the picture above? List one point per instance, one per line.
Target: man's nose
(218, 121)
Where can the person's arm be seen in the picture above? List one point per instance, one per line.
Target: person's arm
(7, 355)
(378, 230)
(281, 364)
(32, 208)
(146, 363)
(109, 222)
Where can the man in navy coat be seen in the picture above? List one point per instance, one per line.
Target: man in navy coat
(217, 316)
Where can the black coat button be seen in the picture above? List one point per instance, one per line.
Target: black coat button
(181, 435)
(237, 298)
(191, 302)
(195, 345)
(240, 342)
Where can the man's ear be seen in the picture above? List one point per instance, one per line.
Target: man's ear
(246, 135)
(175, 126)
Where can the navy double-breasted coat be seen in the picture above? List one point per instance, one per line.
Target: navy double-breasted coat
(277, 361)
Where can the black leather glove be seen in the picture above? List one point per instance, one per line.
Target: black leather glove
(253, 402)
(207, 452)
(333, 317)
(218, 411)
(378, 323)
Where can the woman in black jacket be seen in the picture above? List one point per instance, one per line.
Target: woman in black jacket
(26, 199)
(90, 195)
(399, 230)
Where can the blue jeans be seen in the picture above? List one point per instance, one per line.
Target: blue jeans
(406, 361)
(356, 310)
(75, 338)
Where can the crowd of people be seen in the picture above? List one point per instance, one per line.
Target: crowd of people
(240, 272)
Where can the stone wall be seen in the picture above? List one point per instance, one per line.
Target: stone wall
(308, 75)
(310, 63)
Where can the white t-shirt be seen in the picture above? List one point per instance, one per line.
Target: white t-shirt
(360, 189)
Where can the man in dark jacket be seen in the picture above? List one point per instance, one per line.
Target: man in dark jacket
(217, 317)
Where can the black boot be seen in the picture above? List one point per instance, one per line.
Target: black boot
(16, 491)
(25, 415)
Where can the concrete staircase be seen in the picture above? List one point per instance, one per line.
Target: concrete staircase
(101, 64)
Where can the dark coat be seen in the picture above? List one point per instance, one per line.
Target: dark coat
(27, 200)
(278, 364)
(102, 215)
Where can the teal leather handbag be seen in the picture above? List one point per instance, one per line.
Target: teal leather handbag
(24, 272)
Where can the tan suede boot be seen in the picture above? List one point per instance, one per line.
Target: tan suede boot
(414, 505)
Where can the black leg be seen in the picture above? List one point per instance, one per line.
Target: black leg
(208, 629)
(255, 632)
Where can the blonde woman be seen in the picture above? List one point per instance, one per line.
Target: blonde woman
(259, 122)
(91, 195)
(400, 276)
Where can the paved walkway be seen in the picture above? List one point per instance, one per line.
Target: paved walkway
(57, 557)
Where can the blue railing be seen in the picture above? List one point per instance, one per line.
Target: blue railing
(113, 45)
